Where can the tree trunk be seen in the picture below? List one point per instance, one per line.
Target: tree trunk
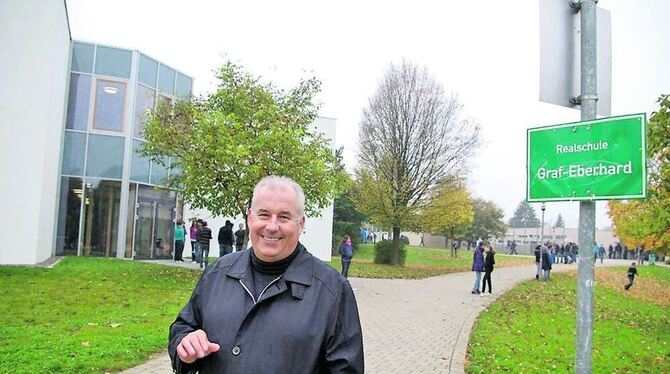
(450, 245)
(396, 246)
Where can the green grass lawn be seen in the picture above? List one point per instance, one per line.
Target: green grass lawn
(421, 262)
(87, 315)
(531, 328)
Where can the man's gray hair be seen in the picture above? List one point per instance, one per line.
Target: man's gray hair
(275, 181)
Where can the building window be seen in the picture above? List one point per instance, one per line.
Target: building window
(82, 57)
(184, 85)
(101, 217)
(110, 98)
(105, 156)
(166, 79)
(78, 102)
(74, 150)
(147, 71)
(139, 167)
(175, 170)
(144, 102)
(113, 62)
(159, 173)
(71, 195)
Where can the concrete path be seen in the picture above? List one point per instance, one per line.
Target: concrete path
(415, 326)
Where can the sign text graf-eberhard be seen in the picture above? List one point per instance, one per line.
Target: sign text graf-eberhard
(600, 159)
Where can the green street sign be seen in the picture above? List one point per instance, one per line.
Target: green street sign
(603, 159)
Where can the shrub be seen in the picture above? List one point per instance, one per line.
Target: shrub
(383, 251)
(404, 240)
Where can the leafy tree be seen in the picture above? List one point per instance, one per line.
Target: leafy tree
(225, 142)
(411, 137)
(488, 221)
(347, 220)
(647, 222)
(448, 213)
(559, 221)
(524, 216)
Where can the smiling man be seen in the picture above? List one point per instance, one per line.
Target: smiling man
(273, 308)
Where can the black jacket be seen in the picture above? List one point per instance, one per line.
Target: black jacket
(489, 261)
(305, 322)
(226, 235)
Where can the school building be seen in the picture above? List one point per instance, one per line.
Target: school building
(72, 115)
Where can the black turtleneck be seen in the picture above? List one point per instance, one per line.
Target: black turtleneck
(265, 272)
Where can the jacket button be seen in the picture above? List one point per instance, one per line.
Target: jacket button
(236, 350)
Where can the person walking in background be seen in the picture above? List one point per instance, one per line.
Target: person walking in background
(546, 263)
(192, 234)
(204, 235)
(179, 239)
(225, 239)
(601, 253)
(477, 267)
(346, 253)
(239, 238)
(513, 248)
(364, 235)
(632, 272)
(489, 261)
(537, 262)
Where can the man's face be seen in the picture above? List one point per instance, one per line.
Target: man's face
(274, 223)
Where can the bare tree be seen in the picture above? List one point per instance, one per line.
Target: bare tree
(411, 136)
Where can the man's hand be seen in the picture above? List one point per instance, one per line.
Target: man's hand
(194, 346)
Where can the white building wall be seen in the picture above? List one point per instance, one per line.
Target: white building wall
(34, 60)
(318, 232)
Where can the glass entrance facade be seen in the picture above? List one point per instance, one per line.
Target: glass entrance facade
(113, 202)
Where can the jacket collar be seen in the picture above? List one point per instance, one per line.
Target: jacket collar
(300, 270)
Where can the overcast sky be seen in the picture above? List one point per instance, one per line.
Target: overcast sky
(487, 52)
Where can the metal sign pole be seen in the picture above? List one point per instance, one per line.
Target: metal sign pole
(587, 209)
(543, 207)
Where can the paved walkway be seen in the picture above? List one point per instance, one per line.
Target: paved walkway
(415, 326)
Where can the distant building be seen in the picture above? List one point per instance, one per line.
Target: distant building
(528, 237)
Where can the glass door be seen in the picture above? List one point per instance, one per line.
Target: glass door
(164, 230)
(153, 235)
(145, 213)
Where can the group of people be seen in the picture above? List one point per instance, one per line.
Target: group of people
(200, 236)
(367, 236)
(620, 252)
(483, 261)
